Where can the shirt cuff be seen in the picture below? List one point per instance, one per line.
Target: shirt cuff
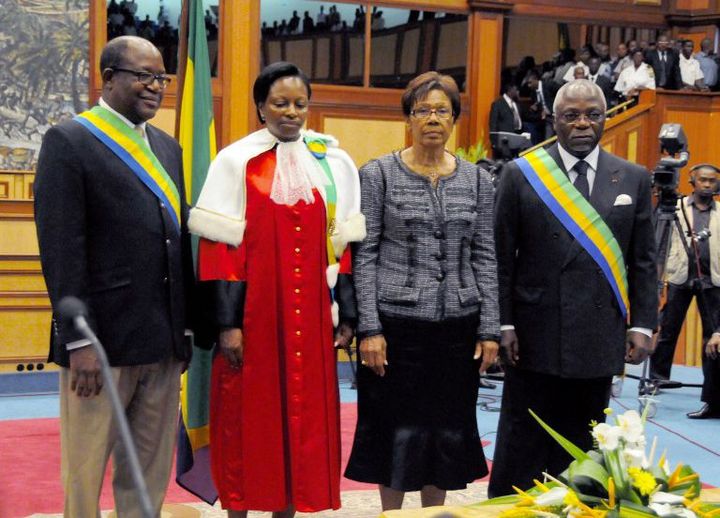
(507, 328)
(643, 330)
(77, 344)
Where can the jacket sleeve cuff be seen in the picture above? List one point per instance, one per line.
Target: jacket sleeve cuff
(486, 337)
(345, 297)
(222, 305)
(361, 335)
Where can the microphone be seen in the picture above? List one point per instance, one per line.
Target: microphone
(72, 309)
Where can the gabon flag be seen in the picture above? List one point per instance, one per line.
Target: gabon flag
(196, 134)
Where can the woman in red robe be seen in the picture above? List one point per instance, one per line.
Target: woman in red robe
(275, 216)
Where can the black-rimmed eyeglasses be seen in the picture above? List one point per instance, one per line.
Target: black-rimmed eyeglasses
(146, 78)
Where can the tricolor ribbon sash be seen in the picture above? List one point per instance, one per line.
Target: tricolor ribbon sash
(579, 218)
(137, 155)
(318, 149)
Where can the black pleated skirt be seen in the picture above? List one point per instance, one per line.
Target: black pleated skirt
(417, 424)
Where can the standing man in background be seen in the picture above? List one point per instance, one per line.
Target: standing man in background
(708, 63)
(576, 256)
(110, 213)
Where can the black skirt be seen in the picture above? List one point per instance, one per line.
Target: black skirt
(417, 424)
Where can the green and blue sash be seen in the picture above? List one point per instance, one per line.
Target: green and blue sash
(132, 149)
(576, 214)
(318, 148)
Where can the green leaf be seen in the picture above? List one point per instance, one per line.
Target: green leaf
(629, 509)
(588, 470)
(575, 452)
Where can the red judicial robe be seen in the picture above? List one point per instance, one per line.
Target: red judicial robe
(274, 422)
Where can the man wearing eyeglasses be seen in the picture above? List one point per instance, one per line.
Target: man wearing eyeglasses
(110, 212)
(576, 267)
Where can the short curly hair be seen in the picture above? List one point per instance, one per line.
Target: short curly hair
(419, 88)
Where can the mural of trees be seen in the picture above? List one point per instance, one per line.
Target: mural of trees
(43, 72)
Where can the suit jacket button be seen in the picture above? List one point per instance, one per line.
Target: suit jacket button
(165, 280)
(439, 234)
(440, 276)
(555, 235)
(162, 205)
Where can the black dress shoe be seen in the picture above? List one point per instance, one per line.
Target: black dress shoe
(706, 412)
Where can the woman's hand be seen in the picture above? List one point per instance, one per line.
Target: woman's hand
(488, 351)
(373, 353)
(231, 346)
(344, 335)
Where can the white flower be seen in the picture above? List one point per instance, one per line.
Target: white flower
(661, 497)
(634, 457)
(555, 496)
(631, 426)
(607, 437)
(672, 511)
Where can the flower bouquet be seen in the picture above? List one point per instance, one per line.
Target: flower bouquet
(617, 479)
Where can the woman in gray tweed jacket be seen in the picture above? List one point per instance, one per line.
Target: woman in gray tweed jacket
(426, 284)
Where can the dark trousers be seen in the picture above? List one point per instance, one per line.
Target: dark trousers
(524, 450)
(671, 321)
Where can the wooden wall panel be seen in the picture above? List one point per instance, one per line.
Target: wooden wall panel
(530, 37)
(365, 139)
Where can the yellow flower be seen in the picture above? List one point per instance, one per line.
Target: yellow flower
(608, 411)
(642, 481)
(518, 512)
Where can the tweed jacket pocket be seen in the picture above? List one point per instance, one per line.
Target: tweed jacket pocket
(400, 295)
(469, 296)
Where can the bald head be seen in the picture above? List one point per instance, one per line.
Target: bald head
(579, 89)
(116, 49)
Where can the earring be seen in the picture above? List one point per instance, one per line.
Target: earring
(262, 119)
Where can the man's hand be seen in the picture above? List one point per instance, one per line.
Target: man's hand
(488, 351)
(373, 353)
(638, 347)
(231, 346)
(85, 375)
(509, 347)
(344, 335)
(711, 348)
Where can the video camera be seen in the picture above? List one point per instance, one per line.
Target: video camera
(666, 175)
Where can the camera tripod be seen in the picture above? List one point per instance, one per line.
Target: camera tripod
(667, 219)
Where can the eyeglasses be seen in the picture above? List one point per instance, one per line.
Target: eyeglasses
(146, 78)
(574, 117)
(425, 113)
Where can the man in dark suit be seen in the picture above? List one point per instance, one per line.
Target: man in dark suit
(563, 329)
(505, 116)
(599, 79)
(666, 65)
(538, 116)
(113, 238)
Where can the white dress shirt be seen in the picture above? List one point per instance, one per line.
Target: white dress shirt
(690, 70)
(517, 120)
(570, 74)
(632, 78)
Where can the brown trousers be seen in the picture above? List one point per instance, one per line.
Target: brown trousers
(150, 395)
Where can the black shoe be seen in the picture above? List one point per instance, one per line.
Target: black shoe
(706, 412)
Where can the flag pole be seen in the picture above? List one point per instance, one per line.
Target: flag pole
(182, 61)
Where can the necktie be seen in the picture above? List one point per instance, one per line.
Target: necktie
(581, 182)
(517, 121)
(663, 75)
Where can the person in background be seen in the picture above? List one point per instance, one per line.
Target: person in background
(665, 64)
(275, 216)
(708, 63)
(505, 116)
(622, 61)
(639, 76)
(584, 58)
(426, 286)
(111, 221)
(597, 77)
(692, 75)
(689, 277)
(565, 327)
(539, 115)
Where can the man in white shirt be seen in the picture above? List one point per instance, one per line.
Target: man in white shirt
(622, 61)
(692, 76)
(638, 76)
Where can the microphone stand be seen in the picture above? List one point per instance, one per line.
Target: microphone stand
(120, 418)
